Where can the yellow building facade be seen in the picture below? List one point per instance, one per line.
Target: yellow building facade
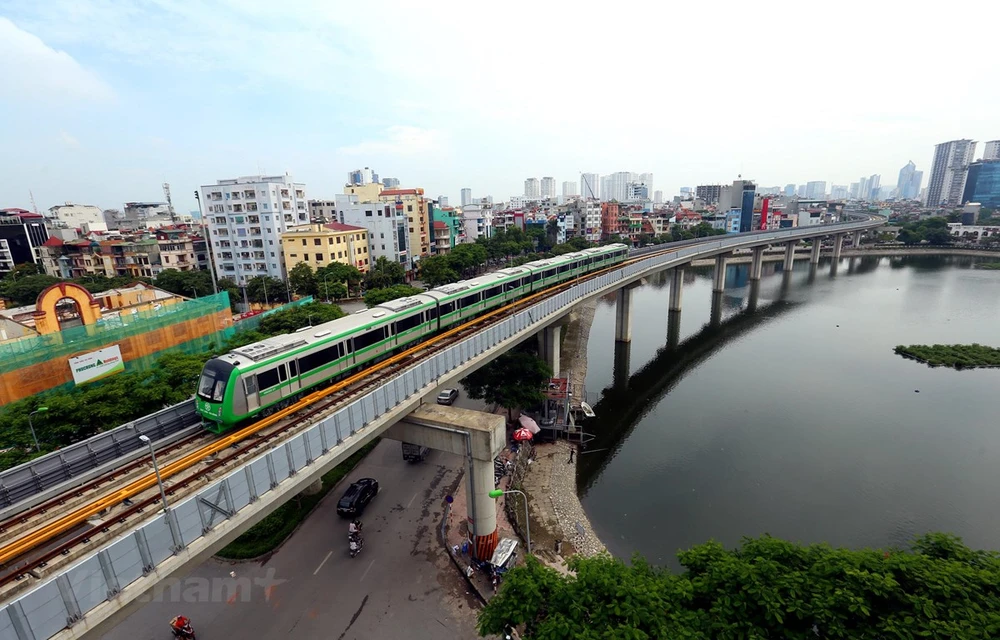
(411, 203)
(319, 245)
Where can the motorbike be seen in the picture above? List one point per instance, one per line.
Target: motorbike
(185, 632)
(355, 543)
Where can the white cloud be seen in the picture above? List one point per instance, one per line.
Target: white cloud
(69, 140)
(398, 141)
(33, 70)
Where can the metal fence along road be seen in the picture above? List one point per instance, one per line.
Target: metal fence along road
(62, 600)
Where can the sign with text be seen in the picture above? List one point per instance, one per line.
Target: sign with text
(97, 364)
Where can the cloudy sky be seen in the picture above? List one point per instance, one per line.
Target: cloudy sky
(102, 101)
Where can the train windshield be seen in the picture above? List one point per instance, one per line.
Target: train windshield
(214, 377)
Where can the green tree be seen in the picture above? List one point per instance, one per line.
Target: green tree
(229, 286)
(767, 588)
(515, 380)
(467, 259)
(338, 272)
(985, 216)
(909, 237)
(21, 270)
(305, 315)
(185, 283)
(302, 279)
(384, 273)
(938, 237)
(437, 270)
(266, 290)
(24, 291)
(375, 297)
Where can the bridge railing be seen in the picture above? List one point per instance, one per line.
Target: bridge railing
(65, 598)
(27, 484)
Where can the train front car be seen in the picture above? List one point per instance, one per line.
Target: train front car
(215, 389)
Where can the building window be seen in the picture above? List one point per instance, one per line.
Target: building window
(319, 257)
(303, 242)
(368, 214)
(409, 207)
(293, 255)
(331, 240)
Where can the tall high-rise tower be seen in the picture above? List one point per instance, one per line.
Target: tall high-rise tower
(949, 171)
(590, 186)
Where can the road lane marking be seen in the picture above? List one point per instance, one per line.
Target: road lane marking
(411, 500)
(322, 563)
(367, 570)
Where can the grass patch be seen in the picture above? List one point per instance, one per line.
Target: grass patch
(956, 356)
(266, 535)
(994, 266)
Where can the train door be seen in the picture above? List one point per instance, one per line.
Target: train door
(250, 391)
(293, 378)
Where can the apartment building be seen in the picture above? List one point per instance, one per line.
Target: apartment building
(246, 217)
(319, 245)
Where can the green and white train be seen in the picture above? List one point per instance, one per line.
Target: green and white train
(257, 379)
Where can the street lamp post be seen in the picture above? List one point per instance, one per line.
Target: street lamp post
(496, 493)
(156, 469)
(31, 426)
(326, 288)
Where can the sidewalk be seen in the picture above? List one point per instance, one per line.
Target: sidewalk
(456, 533)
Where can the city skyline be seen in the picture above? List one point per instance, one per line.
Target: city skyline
(106, 104)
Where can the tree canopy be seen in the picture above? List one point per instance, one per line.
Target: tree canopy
(384, 273)
(932, 230)
(304, 315)
(515, 380)
(190, 284)
(437, 270)
(302, 279)
(374, 297)
(767, 588)
(266, 290)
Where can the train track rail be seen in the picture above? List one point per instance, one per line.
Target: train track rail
(142, 494)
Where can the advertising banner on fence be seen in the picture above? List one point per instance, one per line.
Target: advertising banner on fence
(97, 364)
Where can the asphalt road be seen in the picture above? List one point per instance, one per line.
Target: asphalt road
(401, 585)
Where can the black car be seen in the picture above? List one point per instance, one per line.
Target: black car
(357, 497)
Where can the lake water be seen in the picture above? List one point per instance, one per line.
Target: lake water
(794, 417)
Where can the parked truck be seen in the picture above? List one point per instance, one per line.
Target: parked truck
(414, 452)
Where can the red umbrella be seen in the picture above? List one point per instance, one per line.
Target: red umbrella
(522, 434)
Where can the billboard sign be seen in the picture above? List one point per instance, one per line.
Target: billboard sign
(97, 364)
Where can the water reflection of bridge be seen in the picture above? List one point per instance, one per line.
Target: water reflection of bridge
(629, 398)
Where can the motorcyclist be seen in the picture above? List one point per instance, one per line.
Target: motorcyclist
(354, 529)
(181, 627)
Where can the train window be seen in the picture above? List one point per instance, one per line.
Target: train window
(349, 344)
(548, 273)
(563, 268)
(293, 369)
(369, 338)
(535, 277)
(408, 323)
(320, 358)
(513, 284)
(432, 313)
(468, 301)
(492, 292)
(282, 374)
(447, 307)
(250, 385)
(267, 379)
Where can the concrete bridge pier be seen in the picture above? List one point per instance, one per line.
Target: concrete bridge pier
(623, 315)
(719, 274)
(786, 284)
(851, 265)
(817, 246)
(676, 288)
(813, 267)
(753, 296)
(548, 347)
(757, 265)
(715, 318)
(789, 262)
(838, 244)
(622, 364)
(857, 239)
(674, 328)
(477, 436)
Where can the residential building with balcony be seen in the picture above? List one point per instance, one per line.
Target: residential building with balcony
(322, 211)
(319, 245)
(413, 206)
(442, 238)
(387, 226)
(611, 223)
(75, 216)
(449, 217)
(246, 217)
